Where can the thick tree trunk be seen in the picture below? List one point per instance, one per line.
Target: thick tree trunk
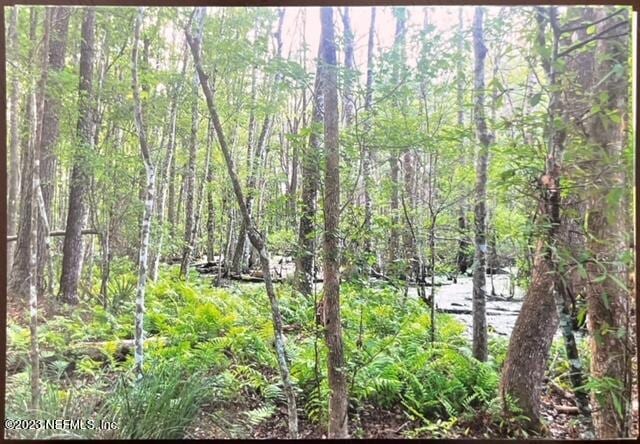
(18, 285)
(523, 379)
(48, 138)
(255, 237)
(607, 295)
(484, 138)
(338, 399)
(80, 177)
(530, 341)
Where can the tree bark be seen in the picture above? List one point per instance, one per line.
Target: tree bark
(13, 182)
(310, 181)
(463, 244)
(523, 379)
(350, 66)
(18, 285)
(338, 399)
(48, 138)
(33, 290)
(255, 237)
(167, 172)
(607, 294)
(258, 155)
(530, 341)
(80, 177)
(482, 133)
(150, 173)
(394, 161)
(367, 173)
(190, 183)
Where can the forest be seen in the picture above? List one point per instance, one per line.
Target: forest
(320, 222)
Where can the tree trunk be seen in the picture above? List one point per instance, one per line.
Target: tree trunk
(523, 379)
(607, 295)
(338, 398)
(33, 290)
(255, 237)
(167, 172)
(479, 279)
(394, 161)
(13, 182)
(367, 174)
(48, 138)
(350, 66)
(18, 285)
(530, 341)
(211, 221)
(190, 183)
(310, 181)
(150, 173)
(462, 262)
(80, 177)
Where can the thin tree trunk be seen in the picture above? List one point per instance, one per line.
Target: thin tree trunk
(33, 290)
(258, 155)
(167, 174)
(310, 182)
(211, 223)
(80, 177)
(148, 201)
(338, 398)
(255, 237)
(190, 183)
(350, 65)
(13, 182)
(479, 279)
(367, 173)
(463, 244)
(394, 161)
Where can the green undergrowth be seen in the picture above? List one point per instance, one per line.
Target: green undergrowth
(211, 348)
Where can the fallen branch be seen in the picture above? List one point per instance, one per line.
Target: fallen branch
(568, 409)
(57, 233)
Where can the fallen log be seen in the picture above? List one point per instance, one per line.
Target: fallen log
(95, 350)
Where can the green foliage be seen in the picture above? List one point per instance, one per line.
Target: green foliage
(160, 405)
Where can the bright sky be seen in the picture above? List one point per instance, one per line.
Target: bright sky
(445, 19)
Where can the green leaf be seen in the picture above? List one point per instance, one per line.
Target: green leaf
(535, 99)
(600, 279)
(614, 196)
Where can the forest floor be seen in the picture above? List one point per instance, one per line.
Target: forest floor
(393, 328)
(374, 422)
